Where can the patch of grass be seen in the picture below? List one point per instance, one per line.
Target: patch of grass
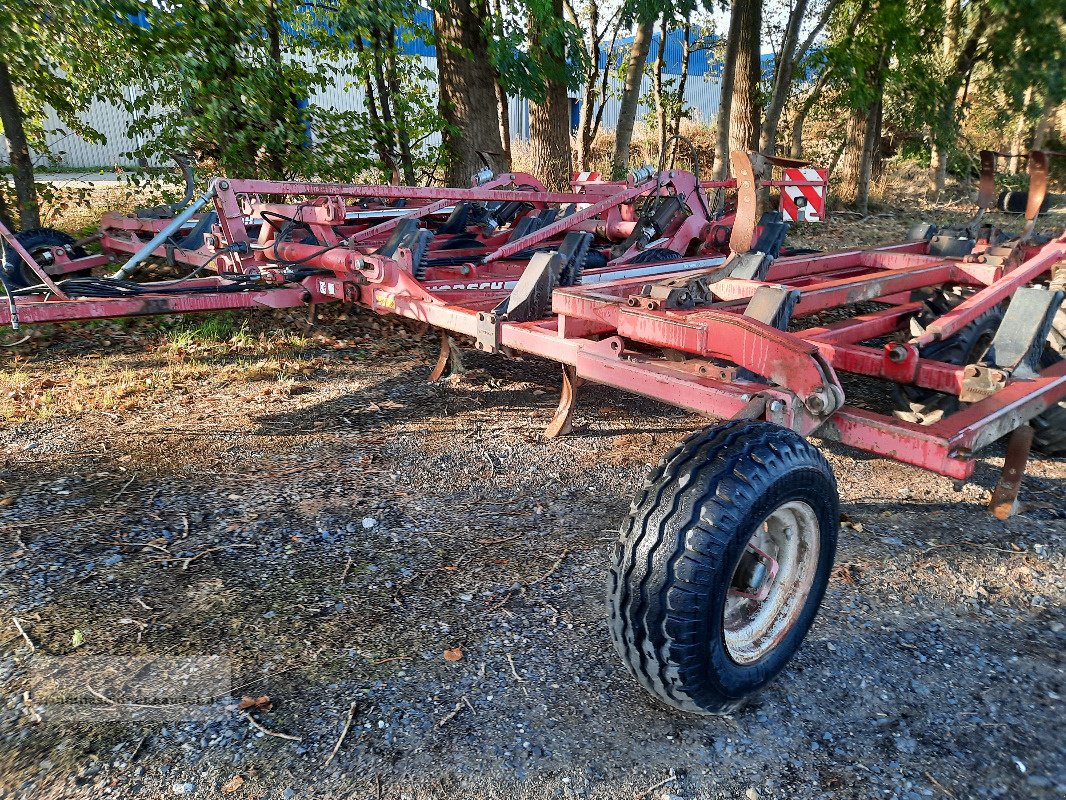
(219, 327)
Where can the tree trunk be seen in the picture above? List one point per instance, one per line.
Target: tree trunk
(280, 99)
(744, 109)
(504, 112)
(549, 138)
(1043, 125)
(863, 136)
(549, 121)
(804, 110)
(627, 112)
(19, 151)
(782, 79)
(960, 60)
(660, 99)
(466, 82)
(944, 133)
(403, 135)
(1017, 141)
(388, 125)
(871, 139)
(725, 93)
(847, 183)
(820, 84)
(682, 82)
(502, 108)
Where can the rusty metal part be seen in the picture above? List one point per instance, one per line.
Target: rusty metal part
(1004, 500)
(743, 233)
(562, 421)
(449, 362)
(986, 193)
(1037, 189)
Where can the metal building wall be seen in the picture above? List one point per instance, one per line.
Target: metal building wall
(69, 151)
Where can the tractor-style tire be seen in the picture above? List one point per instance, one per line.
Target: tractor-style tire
(37, 241)
(1050, 427)
(676, 617)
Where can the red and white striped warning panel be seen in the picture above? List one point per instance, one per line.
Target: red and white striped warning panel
(585, 177)
(803, 203)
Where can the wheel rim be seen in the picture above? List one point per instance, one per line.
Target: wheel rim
(790, 536)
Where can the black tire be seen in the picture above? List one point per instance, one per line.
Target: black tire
(1017, 202)
(1050, 427)
(655, 255)
(36, 241)
(678, 553)
(925, 406)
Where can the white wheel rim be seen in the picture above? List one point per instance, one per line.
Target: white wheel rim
(791, 535)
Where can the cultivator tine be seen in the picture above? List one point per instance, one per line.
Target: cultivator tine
(449, 362)
(1004, 502)
(986, 194)
(1037, 190)
(743, 233)
(562, 422)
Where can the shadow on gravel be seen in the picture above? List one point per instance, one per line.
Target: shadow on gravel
(409, 397)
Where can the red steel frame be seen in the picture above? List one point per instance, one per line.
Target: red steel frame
(605, 334)
(365, 216)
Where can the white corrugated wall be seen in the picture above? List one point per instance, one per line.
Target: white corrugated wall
(70, 151)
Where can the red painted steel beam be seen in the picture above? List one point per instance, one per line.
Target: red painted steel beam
(862, 326)
(32, 311)
(979, 302)
(397, 192)
(765, 350)
(897, 440)
(423, 211)
(566, 223)
(984, 422)
(831, 294)
(870, 362)
(784, 269)
(193, 258)
(76, 265)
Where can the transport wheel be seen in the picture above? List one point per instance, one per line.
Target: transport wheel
(38, 242)
(925, 406)
(720, 568)
(1050, 427)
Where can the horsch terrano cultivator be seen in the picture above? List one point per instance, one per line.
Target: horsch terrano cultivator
(658, 286)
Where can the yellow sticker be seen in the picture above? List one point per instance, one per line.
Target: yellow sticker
(384, 299)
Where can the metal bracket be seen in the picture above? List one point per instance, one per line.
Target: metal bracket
(678, 292)
(488, 331)
(404, 231)
(773, 305)
(1020, 340)
(950, 244)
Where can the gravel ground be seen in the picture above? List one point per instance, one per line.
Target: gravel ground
(360, 544)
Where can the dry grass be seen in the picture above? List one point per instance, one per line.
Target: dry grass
(152, 364)
(644, 149)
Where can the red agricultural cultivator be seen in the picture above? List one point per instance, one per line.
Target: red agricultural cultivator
(668, 287)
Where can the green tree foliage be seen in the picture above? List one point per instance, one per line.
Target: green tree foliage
(232, 83)
(59, 55)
